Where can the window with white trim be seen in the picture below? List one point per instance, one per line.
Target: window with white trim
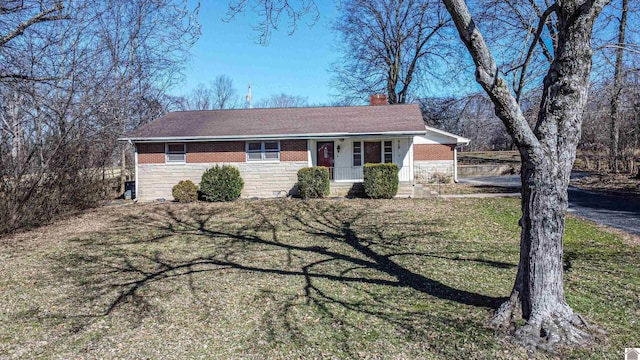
(385, 155)
(263, 151)
(176, 153)
(387, 152)
(357, 153)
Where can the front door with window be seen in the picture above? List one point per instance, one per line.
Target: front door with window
(372, 152)
(325, 155)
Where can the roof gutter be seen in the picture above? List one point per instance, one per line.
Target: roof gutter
(270, 137)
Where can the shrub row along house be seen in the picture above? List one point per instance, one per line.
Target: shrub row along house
(269, 146)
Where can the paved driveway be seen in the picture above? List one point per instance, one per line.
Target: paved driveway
(615, 211)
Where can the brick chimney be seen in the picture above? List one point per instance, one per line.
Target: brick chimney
(378, 99)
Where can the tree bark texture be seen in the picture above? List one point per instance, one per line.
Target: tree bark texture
(614, 141)
(547, 152)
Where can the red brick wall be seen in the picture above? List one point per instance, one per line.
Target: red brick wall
(293, 150)
(152, 153)
(219, 152)
(432, 152)
(215, 152)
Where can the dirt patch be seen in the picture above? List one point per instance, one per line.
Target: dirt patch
(489, 158)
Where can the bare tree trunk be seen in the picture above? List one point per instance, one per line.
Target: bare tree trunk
(614, 141)
(548, 152)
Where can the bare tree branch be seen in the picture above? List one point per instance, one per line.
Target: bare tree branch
(51, 14)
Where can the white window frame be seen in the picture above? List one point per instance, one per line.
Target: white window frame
(263, 152)
(384, 153)
(168, 153)
(353, 153)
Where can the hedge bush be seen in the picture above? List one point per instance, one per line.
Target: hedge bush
(185, 191)
(381, 180)
(221, 183)
(313, 182)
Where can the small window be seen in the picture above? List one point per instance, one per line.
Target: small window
(357, 153)
(271, 150)
(263, 151)
(176, 153)
(388, 152)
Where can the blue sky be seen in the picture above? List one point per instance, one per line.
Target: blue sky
(295, 65)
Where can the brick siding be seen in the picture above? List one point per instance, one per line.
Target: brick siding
(432, 152)
(293, 150)
(216, 152)
(152, 153)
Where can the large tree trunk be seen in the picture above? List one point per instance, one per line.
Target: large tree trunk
(547, 152)
(538, 289)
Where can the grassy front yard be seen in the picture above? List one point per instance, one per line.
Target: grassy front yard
(398, 279)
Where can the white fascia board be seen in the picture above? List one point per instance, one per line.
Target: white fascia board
(459, 140)
(270, 137)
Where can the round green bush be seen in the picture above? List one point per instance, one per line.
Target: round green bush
(221, 183)
(381, 180)
(185, 191)
(313, 182)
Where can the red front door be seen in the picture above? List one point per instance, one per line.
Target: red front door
(325, 155)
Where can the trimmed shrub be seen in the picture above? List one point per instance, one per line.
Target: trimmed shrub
(381, 180)
(313, 182)
(185, 191)
(221, 183)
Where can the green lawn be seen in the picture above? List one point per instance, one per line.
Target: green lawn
(288, 279)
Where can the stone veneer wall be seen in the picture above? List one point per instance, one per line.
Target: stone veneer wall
(260, 179)
(424, 170)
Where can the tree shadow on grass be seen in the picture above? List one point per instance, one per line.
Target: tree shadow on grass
(340, 258)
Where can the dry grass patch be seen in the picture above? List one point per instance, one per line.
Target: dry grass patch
(292, 279)
(621, 185)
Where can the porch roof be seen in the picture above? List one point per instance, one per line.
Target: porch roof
(283, 123)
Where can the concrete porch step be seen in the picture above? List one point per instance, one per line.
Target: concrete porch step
(405, 189)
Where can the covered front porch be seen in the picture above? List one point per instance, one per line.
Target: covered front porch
(345, 157)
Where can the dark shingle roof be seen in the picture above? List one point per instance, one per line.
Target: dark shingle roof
(316, 121)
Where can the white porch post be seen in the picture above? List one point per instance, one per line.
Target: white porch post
(135, 165)
(455, 164)
(410, 143)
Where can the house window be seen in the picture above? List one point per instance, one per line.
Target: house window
(176, 153)
(263, 151)
(388, 152)
(372, 152)
(357, 153)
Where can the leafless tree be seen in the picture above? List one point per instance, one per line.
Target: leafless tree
(548, 152)
(283, 101)
(271, 12)
(471, 116)
(225, 95)
(199, 98)
(71, 83)
(387, 44)
(220, 94)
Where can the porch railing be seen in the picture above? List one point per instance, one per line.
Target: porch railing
(355, 174)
